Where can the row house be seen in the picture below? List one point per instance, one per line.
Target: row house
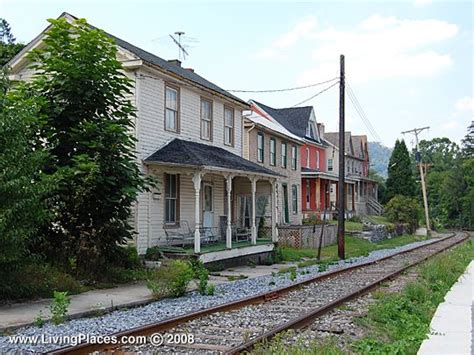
(190, 139)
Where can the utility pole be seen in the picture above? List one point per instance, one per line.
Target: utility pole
(342, 170)
(417, 131)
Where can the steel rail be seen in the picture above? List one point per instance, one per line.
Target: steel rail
(148, 329)
(307, 319)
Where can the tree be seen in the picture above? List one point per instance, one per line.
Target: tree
(88, 131)
(381, 187)
(8, 47)
(400, 179)
(23, 184)
(468, 142)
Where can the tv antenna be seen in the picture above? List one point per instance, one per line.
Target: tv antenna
(182, 53)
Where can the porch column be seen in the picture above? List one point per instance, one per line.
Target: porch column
(353, 197)
(254, 227)
(228, 235)
(197, 213)
(274, 211)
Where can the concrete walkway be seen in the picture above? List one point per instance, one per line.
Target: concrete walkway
(94, 302)
(452, 326)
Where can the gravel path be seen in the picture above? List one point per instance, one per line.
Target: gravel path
(167, 308)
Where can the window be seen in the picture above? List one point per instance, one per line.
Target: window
(228, 126)
(260, 150)
(330, 165)
(307, 157)
(317, 159)
(294, 157)
(206, 119)
(272, 151)
(171, 198)
(310, 130)
(284, 155)
(171, 109)
(294, 198)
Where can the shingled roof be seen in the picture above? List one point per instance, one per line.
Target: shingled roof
(153, 59)
(333, 138)
(189, 153)
(294, 119)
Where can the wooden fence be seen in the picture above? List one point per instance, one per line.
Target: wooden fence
(306, 236)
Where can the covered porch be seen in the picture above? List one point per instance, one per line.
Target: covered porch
(210, 200)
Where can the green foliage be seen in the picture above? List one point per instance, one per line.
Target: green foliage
(35, 278)
(154, 254)
(403, 209)
(449, 182)
(400, 179)
(202, 275)
(381, 184)
(39, 320)
(88, 120)
(8, 47)
(23, 184)
(293, 273)
(59, 307)
(399, 322)
(312, 220)
(171, 279)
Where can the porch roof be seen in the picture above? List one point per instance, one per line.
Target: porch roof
(193, 154)
(311, 173)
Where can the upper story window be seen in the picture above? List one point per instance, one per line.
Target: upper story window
(171, 109)
(228, 126)
(330, 165)
(294, 157)
(307, 158)
(206, 119)
(260, 149)
(284, 155)
(272, 151)
(317, 159)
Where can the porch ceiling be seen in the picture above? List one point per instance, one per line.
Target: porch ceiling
(192, 154)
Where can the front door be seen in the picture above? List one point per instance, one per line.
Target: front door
(208, 208)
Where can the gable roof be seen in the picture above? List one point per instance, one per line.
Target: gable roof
(155, 60)
(294, 119)
(333, 138)
(273, 125)
(181, 152)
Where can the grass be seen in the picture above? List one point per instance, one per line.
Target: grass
(350, 226)
(354, 247)
(399, 322)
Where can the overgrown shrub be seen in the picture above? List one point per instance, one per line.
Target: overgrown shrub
(403, 209)
(171, 279)
(312, 219)
(154, 254)
(35, 279)
(202, 276)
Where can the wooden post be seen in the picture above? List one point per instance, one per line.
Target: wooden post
(341, 187)
(197, 211)
(228, 236)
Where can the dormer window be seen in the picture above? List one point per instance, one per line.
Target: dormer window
(311, 130)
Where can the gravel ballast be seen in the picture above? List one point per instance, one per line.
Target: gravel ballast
(125, 319)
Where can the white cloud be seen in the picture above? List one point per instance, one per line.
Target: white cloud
(288, 39)
(465, 104)
(377, 48)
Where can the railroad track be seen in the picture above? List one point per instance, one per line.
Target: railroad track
(237, 326)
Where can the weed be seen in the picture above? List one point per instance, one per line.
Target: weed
(59, 307)
(271, 283)
(171, 279)
(293, 273)
(39, 320)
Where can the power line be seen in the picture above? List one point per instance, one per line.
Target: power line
(317, 94)
(287, 89)
(360, 111)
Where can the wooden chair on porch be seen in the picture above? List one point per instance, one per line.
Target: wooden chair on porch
(239, 234)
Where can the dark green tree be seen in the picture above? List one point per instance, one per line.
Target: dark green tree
(88, 130)
(8, 46)
(382, 188)
(468, 142)
(400, 179)
(23, 185)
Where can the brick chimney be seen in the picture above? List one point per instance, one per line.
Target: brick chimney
(175, 61)
(321, 130)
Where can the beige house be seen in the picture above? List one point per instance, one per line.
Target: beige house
(190, 138)
(270, 145)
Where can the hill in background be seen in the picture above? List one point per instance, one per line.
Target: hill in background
(379, 157)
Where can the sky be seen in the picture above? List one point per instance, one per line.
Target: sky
(408, 63)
